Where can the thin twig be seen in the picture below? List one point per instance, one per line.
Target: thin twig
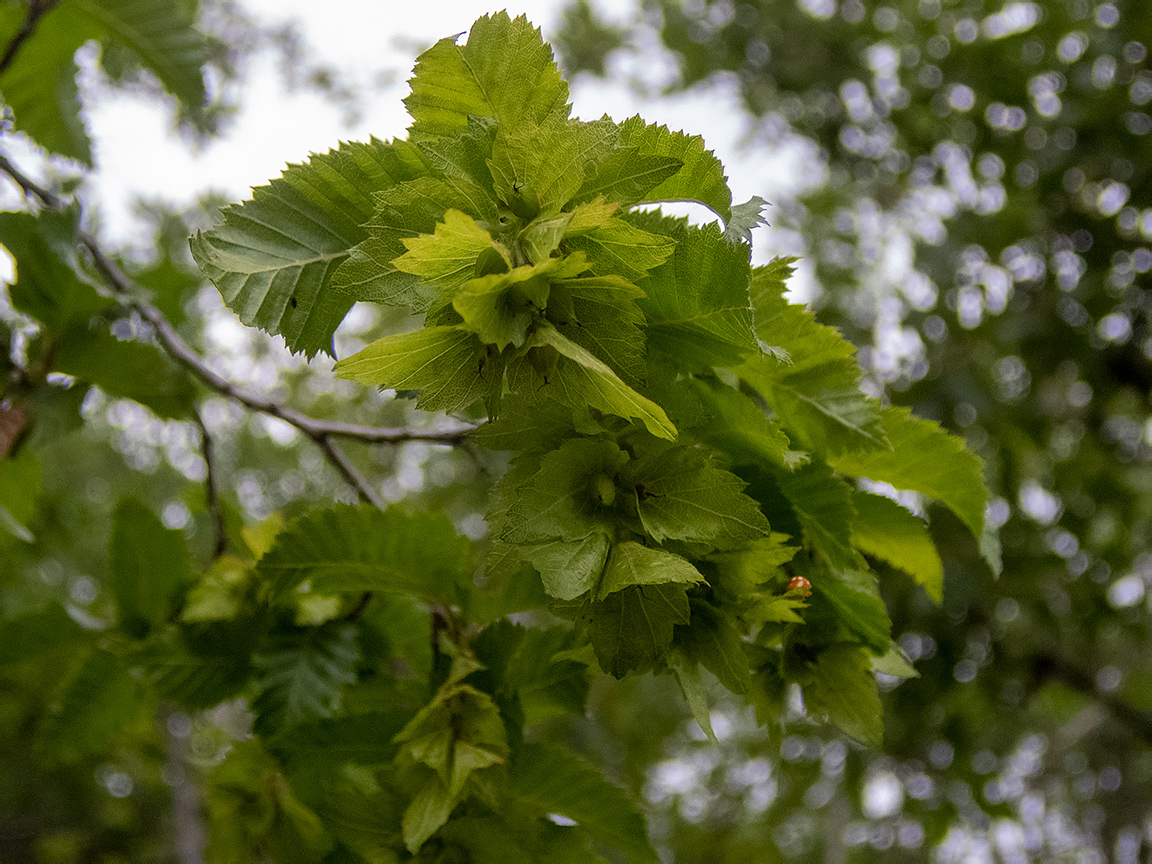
(30, 187)
(36, 11)
(211, 489)
(349, 472)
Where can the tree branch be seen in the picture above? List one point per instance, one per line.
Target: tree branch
(36, 11)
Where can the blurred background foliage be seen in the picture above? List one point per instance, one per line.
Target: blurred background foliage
(970, 197)
(974, 209)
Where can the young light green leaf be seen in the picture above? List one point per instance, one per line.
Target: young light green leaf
(504, 71)
(402, 212)
(620, 247)
(625, 175)
(886, 530)
(606, 321)
(569, 568)
(582, 380)
(744, 218)
(558, 501)
(701, 176)
(429, 810)
(272, 258)
(446, 364)
(843, 691)
(149, 564)
(816, 393)
(447, 257)
(356, 549)
(632, 629)
(925, 459)
(550, 158)
(302, 676)
(895, 663)
(632, 563)
(697, 304)
(555, 780)
(681, 496)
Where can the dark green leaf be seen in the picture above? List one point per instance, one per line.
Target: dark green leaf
(301, 676)
(843, 691)
(632, 629)
(149, 564)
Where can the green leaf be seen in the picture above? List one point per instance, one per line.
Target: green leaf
(926, 459)
(744, 218)
(40, 83)
(822, 504)
(97, 704)
(815, 392)
(606, 321)
(555, 780)
(355, 549)
(582, 380)
(680, 495)
(713, 641)
(620, 247)
(504, 71)
(50, 285)
(632, 629)
(687, 672)
(549, 158)
(625, 175)
(887, 531)
(701, 176)
(149, 564)
(446, 364)
(697, 304)
(632, 563)
(895, 663)
(126, 370)
(20, 485)
(569, 568)
(558, 501)
(205, 665)
(302, 676)
(430, 809)
(447, 257)
(34, 634)
(273, 256)
(738, 427)
(855, 595)
(843, 691)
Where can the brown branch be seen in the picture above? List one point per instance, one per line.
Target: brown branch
(36, 11)
(211, 489)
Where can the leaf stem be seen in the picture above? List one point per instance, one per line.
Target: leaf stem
(36, 11)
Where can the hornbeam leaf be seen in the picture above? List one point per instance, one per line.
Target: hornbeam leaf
(558, 501)
(404, 211)
(713, 641)
(97, 705)
(607, 321)
(581, 380)
(446, 364)
(550, 157)
(555, 780)
(887, 531)
(272, 258)
(697, 304)
(302, 676)
(681, 496)
(815, 393)
(855, 595)
(149, 563)
(745, 217)
(447, 257)
(737, 426)
(632, 563)
(633, 628)
(625, 175)
(822, 504)
(701, 176)
(620, 247)
(687, 672)
(356, 549)
(843, 691)
(504, 71)
(926, 459)
(569, 568)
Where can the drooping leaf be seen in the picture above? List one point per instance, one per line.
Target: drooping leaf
(632, 629)
(149, 563)
(446, 364)
(569, 568)
(504, 71)
(701, 176)
(713, 641)
(581, 380)
(427, 812)
(355, 549)
(687, 672)
(822, 504)
(887, 531)
(814, 392)
(855, 595)
(272, 258)
(925, 459)
(301, 676)
(632, 563)
(556, 780)
(680, 495)
(607, 321)
(843, 691)
(738, 427)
